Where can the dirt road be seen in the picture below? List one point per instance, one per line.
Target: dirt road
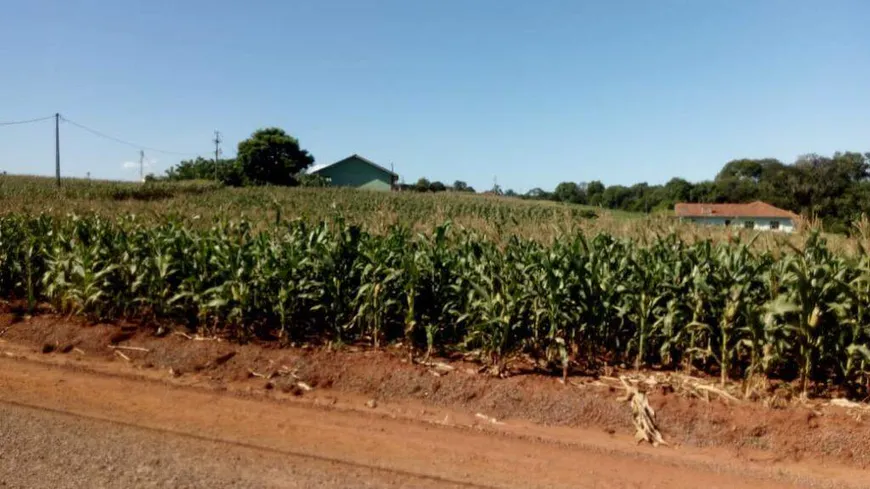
(68, 427)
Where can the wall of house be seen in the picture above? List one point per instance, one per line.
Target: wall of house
(762, 223)
(359, 174)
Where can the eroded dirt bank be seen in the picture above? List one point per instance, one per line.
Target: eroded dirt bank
(375, 411)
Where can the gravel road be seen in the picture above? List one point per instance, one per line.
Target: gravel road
(70, 427)
(44, 449)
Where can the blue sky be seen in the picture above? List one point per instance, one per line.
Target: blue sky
(532, 93)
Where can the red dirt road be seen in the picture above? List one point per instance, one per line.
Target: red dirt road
(248, 442)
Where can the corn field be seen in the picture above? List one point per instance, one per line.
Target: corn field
(727, 309)
(262, 206)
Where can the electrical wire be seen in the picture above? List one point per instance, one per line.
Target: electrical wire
(121, 141)
(39, 119)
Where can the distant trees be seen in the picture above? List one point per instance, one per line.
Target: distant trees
(269, 156)
(569, 192)
(835, 189)
(437, 186)
(594, 189)
(460, 186)
(676, 190)
(424, 185)
(196, 169)
(312, 180)
(538, 193)
(226, 171)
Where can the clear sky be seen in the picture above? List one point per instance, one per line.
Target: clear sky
(530, 92)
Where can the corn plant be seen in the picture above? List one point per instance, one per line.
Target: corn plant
(725, 308)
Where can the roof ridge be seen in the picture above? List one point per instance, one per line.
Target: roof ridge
(756, 208)
(361, 158)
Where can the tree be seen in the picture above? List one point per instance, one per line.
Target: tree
(538, 193)
(198, 169)
(422, 185)
(437, 186)
(639, 198)
(594, 192)
(704, 192)
(741, 169)
(204, 169)
(594, 188)
(737, 189)
(510, 193)
(460, 186)
(677, 190)
(271, 156)
(615, 197)
(569, 192)
(312, 180)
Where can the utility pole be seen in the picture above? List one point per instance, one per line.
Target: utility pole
(217, 152)
(141, 165)
(57, 147)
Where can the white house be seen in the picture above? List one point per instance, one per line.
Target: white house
(755, 215)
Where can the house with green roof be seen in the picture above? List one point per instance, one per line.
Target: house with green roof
(358, 172)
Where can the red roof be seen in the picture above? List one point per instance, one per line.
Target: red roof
(753, 209)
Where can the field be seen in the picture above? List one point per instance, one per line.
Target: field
(497, 279)
(203, 202)
(434, 312)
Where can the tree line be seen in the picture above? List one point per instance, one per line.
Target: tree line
(835, 189)
(269, 157)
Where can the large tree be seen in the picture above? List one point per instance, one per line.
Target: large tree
(569, 192)
(677, 190)
(594, 191)
(271, 156)
(423, 185)
(437, 186)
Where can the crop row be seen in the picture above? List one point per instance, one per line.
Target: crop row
(725, 308)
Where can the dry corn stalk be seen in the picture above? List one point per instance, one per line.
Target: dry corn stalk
(643, 415)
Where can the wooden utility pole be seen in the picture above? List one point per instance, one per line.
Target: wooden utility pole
(217, 152)
(141, 165)
(57, 147)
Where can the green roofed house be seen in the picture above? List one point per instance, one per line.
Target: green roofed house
(358, 172)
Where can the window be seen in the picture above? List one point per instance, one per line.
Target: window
(774, 224)
(749, 224)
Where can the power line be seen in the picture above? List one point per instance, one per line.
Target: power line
(13, 123)
(121, 141)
